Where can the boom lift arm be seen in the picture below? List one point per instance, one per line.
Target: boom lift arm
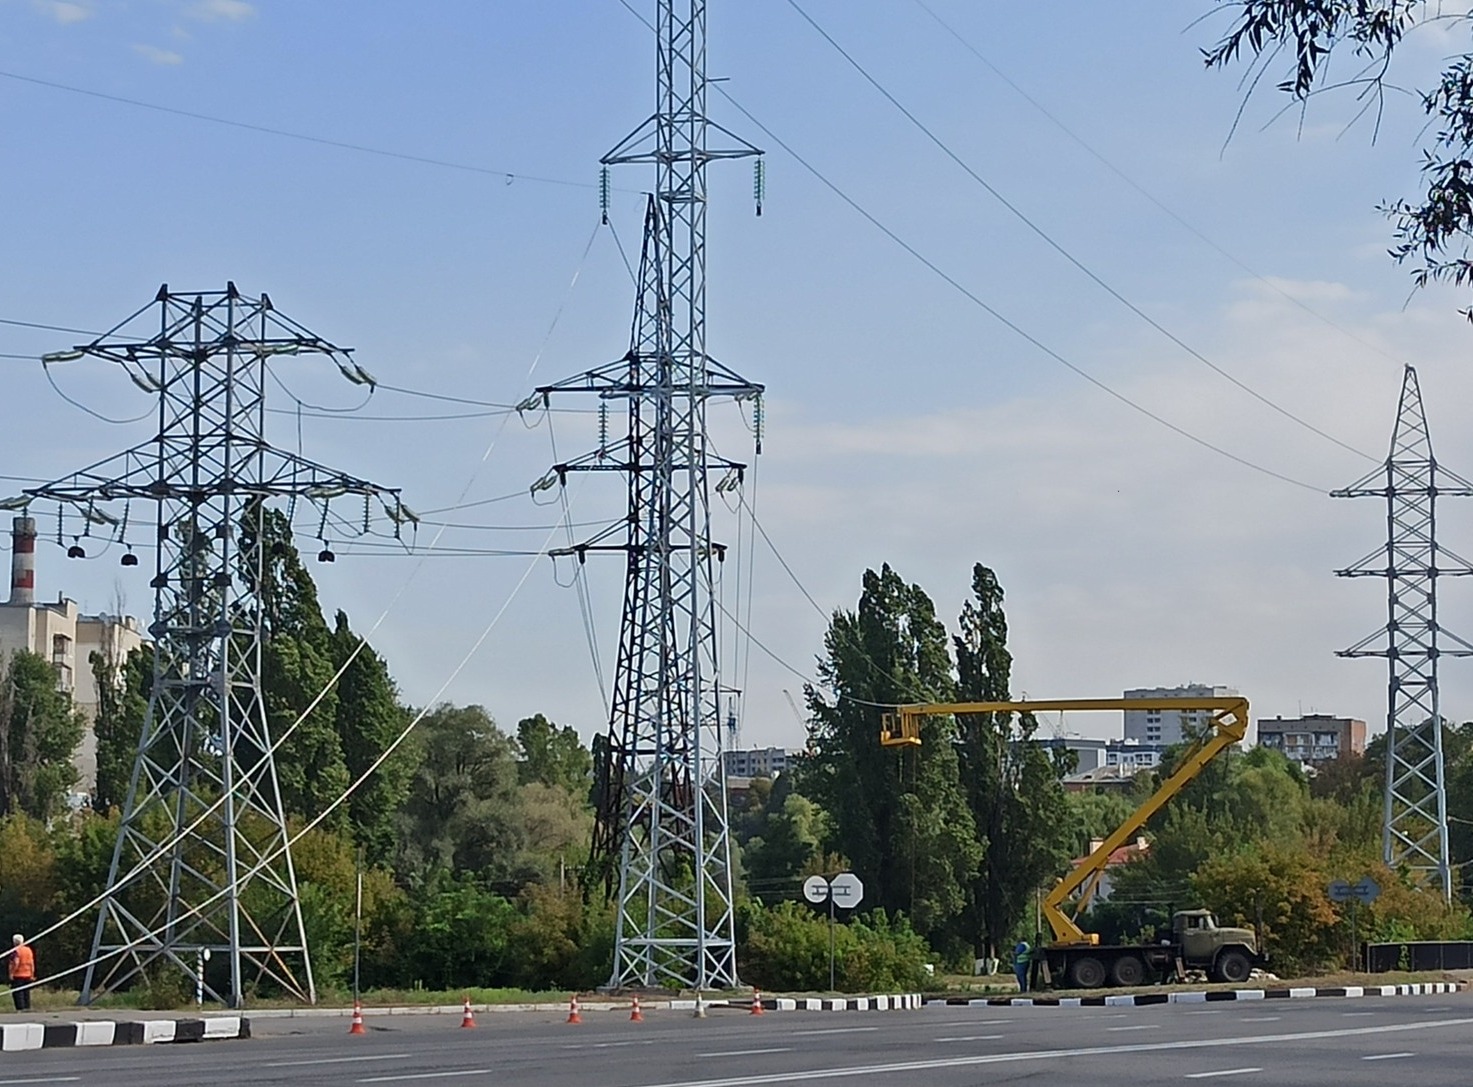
(1227, 726)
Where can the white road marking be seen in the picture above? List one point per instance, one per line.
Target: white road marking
(1138, 1026)
(1386, 1056)
(1057, 1054)
(49, 1079)
(338, 1060)
(1355, 1015)
(836, 1030)
(973, 1038)
(1260, 1018)
(427, 1075)
(1224, 1072)
(746, 1052)
(609, 1045)
(1207, 1011)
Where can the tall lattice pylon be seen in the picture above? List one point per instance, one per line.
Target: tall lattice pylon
(662, 817)
(201, 872)
(1412, 641)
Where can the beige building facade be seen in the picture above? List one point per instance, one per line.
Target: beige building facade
(61, 634)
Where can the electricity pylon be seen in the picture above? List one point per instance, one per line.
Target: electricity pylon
(662, 812)
(201, 870)
(1412, 641)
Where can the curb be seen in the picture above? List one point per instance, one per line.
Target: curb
(1429, 988)
(94, 1032)
(889, 1002)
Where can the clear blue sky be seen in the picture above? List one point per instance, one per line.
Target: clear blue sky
(905, 423)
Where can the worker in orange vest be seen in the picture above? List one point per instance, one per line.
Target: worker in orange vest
(22, 972)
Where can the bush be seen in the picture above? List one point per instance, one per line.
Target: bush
(787, 947)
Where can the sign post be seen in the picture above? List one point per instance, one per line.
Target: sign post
(1362, 892)
(846, 889)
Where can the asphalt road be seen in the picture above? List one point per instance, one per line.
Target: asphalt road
(1331, 1042)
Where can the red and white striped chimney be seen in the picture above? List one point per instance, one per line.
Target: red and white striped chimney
(23, 561)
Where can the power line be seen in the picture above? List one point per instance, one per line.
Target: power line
(424, 160)
(997, 315)
(1058, 247)
(1145, 193)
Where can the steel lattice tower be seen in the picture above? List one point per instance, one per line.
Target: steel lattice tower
(662, 814)
(201, 862)
(1412, 641)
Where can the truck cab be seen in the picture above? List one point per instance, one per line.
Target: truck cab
(1226, 953)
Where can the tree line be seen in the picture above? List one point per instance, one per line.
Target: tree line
(473, 838)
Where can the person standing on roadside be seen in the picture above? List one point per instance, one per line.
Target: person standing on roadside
(22, 972)
(1022, 959)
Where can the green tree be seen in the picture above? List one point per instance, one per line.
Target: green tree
(791, 841)
(902, 820)
(122, 704)
(368, 719)
(462, 812)
(1304, 35)
(554, 756)
(1012, 784)
(39, 730)
(296, 667)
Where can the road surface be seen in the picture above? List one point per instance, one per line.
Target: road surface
(1328, 1041)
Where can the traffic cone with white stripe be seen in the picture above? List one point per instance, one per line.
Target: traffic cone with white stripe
(757, 1002)
(573, 1016)
(357, 1027)
(635, 1015)
(467, 1020)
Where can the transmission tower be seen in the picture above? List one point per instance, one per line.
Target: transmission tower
(1411, 481)
(662, 813)
(201, 877)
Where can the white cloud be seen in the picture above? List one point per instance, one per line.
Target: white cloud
(64, 11)
(158, 56)
(222, 11)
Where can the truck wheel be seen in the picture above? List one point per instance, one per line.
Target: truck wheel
(1087, 973)
(1127, 970)
(1233, 966)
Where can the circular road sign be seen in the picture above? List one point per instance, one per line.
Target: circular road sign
(816, 889)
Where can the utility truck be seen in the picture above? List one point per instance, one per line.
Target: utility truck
(1075, 957)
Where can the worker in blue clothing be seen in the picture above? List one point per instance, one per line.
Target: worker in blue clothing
(1022, 959)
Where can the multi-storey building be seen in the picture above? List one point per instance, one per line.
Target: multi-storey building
(61, 634)
(1314, 738)
(1167, 726)
(757, 762)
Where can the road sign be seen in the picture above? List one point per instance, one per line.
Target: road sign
(815, 889)
(1364, 890)
(847, 890)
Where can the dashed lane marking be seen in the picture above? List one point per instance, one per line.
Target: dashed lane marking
(48, 1079)
(427, 1075)
(1223, 1072)
(746, 1052)
(851, 1071)
(1138, 1026)
(338, 1060)
(1260, 1018)
(837, 1030)
(1386, 1056)
(973, 1038)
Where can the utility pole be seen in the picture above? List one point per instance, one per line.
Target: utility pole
(1415, 831)
(662, 818)
(201, 862)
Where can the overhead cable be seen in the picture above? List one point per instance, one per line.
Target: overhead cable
(1059, 248)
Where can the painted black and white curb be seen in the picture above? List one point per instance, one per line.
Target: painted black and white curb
(893, 1002)
(1429, 988)
(18, 1036)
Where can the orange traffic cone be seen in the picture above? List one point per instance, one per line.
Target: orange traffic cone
(635, 1015)
(757, 1002)
(357, 1027)
(467, 1020)
(573, 1016)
